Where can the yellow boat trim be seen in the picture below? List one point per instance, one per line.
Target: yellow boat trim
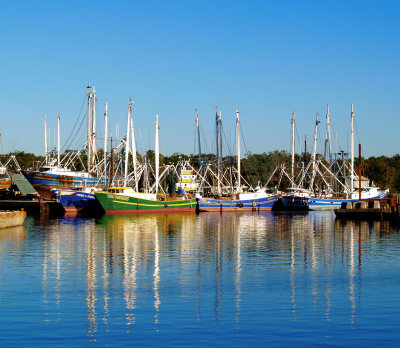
(153, 205)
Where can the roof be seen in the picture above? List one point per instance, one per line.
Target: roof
(24, 186)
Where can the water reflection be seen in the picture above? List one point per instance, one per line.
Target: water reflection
(152, 268)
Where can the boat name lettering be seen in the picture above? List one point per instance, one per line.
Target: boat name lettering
(121, 198)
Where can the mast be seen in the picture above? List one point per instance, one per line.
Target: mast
(218, 154)
(112, 160)
(198, 134)
(128, 128)
(359, 172)
(89, 127)
(220, 144)
(93, 132)
(58, 141)
(157, 154)
(133, 147)
(105, 141)
(352, 151)
(328, 124)
(314, 152)
(292, 119)
(45, 138)
(238, 149)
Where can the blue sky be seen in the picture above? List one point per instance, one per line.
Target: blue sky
(267, 58)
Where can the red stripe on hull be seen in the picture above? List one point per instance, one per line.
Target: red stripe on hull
(73, 210)
(235, 209)
(149, 211)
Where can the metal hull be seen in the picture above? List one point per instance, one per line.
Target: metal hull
(122, 204)
(333, 203)
(211, 204)
(294, 203)
(41, 179)
(74, 202)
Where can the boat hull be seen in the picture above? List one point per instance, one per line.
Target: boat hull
(74, 202)
(316, 204)
(12, 218)
(294, 203)
(122, 204)
(212, 204)
(45, 182)
(42, 180)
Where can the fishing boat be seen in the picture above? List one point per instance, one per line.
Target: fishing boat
(332, 203)
(127, 200)
(295, 199)
(338, 173)
(254, 201)
(55, 172)
(5, 180)
(76, 199)
(233, 199)
(351, 192)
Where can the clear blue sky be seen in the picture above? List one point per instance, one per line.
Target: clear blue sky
(267, 58)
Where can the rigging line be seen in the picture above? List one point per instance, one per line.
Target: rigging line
(204, 143)
(73, 138)
(79, 129)
(76, 122)
(244, 141)
(356, 128)
(226, 141)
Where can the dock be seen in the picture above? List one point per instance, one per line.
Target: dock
(370, 209)
(22, 195)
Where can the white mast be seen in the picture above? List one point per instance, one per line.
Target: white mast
(93, 127)
(292, 119)
(352, 150)
(198, 134)
(315, 141)
(314, 152)
(89, 127)
(134, 153)
(127, 140)
(157, 154)
(58, 141)
(220, 144)
(218, 154)
(45, 138)
(105, 139)
(328, 123)
(238, 149)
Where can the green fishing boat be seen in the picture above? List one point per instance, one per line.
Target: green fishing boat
(124, 200)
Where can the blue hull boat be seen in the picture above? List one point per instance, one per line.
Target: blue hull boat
(221, 204)
(73, 201)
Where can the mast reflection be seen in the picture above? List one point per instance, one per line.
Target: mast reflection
(215, 262)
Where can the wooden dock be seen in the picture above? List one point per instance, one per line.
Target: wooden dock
(370, 209)
(32, 206)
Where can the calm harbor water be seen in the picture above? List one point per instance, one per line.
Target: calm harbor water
(281, 279)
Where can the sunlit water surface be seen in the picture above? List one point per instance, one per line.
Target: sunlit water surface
(226, 280)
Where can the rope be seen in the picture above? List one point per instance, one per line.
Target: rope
(73, 129)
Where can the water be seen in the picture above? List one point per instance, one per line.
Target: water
(277, 279)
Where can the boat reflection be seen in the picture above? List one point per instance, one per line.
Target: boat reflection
(157, 259)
